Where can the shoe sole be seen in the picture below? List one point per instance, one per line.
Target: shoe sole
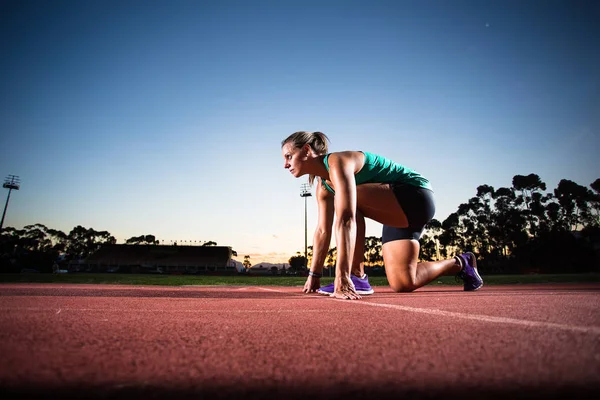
(363, 292)
(472, 257)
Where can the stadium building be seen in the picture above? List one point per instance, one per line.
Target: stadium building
(139, 258)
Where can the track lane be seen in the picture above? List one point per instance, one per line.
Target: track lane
(123, 341)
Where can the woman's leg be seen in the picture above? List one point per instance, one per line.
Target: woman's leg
(405, 273)
(378, 202)
(400, 252)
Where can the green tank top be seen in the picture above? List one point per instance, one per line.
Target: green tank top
(378, 169)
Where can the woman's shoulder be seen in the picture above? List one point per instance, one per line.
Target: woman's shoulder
(345, 155)
(349, 160)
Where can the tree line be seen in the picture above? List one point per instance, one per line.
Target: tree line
(522, 228)
(39, 247)
(517, 229)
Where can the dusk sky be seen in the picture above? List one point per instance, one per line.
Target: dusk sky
(166, 117)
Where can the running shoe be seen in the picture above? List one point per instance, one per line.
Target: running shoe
(468, 272)
(361, 284)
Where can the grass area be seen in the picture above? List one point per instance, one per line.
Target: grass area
(179, 280)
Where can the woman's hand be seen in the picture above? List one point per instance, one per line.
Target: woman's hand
(344, 289)
(312, 284)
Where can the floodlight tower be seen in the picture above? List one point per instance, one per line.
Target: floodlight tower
(305, 192)
(11, 182)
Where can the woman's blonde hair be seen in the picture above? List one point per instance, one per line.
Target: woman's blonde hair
(316, 140)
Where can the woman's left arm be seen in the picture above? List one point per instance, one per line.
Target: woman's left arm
(341, 173)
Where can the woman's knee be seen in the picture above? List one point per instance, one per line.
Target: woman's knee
(401, 284)
(400, 258)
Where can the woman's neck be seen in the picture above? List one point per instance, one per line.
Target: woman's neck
(317, 167)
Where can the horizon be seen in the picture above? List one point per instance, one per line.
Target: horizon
(240, 258)
(166, 118)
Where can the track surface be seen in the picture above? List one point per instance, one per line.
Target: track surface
(114, 341)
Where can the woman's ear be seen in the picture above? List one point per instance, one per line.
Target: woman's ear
(306, 150)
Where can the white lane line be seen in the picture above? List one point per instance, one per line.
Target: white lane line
(477, 317)
(430, 311)
(485, 318)
(271, 290)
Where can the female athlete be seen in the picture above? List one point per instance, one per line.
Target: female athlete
(354, 185)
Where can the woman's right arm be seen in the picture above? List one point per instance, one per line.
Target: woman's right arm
(322, 236)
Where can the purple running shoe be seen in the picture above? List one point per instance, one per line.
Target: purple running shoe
(468, 272)
(361, 284)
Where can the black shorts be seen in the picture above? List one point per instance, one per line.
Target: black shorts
(418, 206)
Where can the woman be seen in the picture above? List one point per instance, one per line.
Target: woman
(355, 185)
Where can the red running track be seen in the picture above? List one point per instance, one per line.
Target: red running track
(113, 341)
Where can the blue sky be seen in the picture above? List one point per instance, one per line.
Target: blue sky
(166, 117)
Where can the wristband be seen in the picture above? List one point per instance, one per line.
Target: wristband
(315, 274)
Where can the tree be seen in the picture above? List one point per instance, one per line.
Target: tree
(83, 242)
(143, 239)
(596, 186)
(595, 203)
(373, 254)
(470, 228)
(34, 238)
(485, 194)
(450, 238)
(509, 224)
(297, 263)
(35, 246)
(331, 258)
(573, 199)
(309, 254)
(58, 239)
(246, 262)
(529, 199)
(429, 241)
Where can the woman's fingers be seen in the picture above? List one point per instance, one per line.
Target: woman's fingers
(347, 294)
(311, 285)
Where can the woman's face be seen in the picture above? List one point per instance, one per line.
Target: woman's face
(294, 159)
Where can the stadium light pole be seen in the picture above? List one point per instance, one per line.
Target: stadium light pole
(11, 182)
(305, 192)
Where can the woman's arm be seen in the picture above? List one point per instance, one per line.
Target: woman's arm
(342, 167)
(322, 236)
